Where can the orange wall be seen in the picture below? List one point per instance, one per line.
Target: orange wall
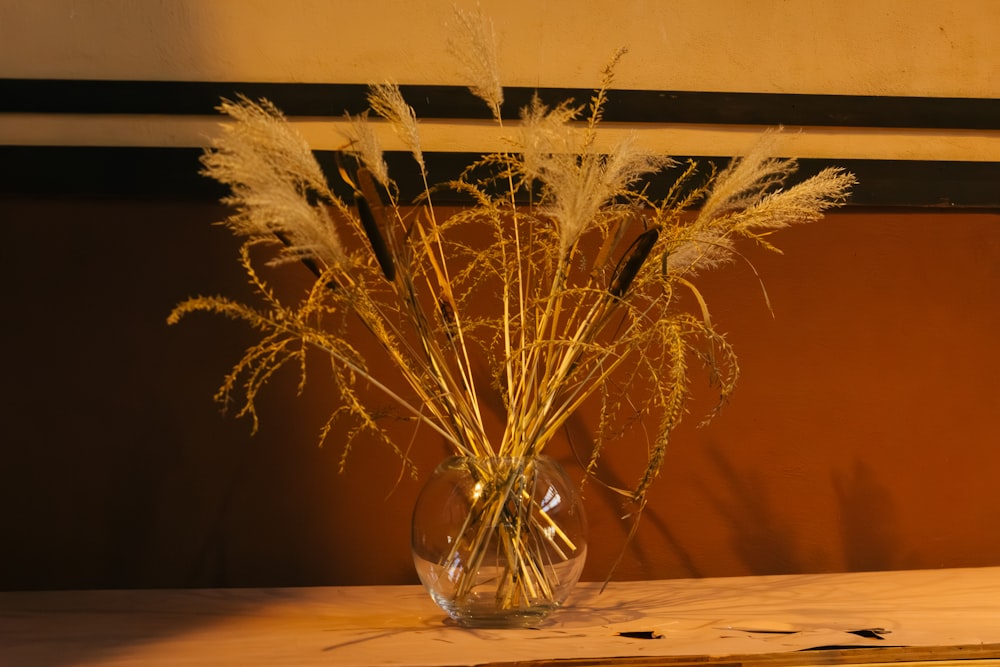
(862, 435)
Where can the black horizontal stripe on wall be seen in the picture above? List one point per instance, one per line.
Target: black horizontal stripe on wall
(66, 96)
(172, 173)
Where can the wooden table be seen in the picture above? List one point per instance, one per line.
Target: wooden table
(940, 616)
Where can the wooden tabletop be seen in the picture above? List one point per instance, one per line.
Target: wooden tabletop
(938, 616)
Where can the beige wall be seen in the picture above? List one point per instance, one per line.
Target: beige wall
(854, 47)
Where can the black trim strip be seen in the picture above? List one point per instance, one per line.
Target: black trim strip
(629, 106)
(172, 173)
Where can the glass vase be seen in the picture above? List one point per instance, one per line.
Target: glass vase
(499, 541)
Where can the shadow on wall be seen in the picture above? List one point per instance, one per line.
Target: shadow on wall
(768, 540)
(761, 536)
(869, 522)
(715, 514)
(619, 547)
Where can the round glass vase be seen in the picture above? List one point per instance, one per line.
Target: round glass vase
(499, 541)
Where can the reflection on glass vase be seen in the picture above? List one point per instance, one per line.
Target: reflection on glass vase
(499, 541)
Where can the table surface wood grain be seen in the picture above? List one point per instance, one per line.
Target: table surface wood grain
(942, 616)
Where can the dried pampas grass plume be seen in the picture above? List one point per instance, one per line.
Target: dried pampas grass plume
(749, 199)
(386, 100)
(473, 43)
(365, 145)
(273, 177)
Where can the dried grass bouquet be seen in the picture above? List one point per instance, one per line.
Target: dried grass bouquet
(562, 275)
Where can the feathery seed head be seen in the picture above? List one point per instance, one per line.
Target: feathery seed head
(271, 172)
(366, 146)
(387, 101)
(474, 45)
